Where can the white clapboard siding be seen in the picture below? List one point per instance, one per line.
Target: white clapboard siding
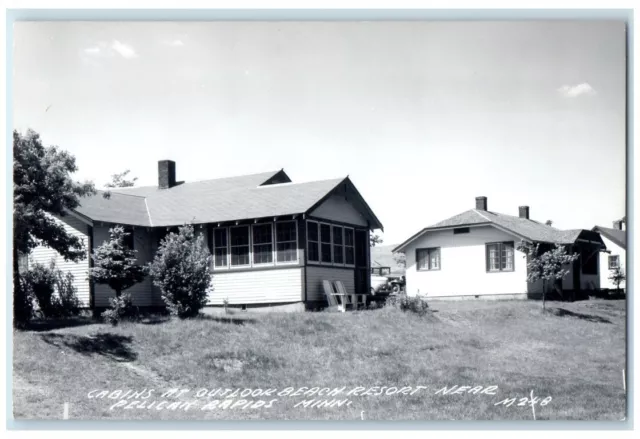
(80, 269)
(336, 208)
(316, 274)
(259, 286)
(143, 294)
(463, 266)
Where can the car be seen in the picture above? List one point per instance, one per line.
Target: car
(379, 280)
(385, 283)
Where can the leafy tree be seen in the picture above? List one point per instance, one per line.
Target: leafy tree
(375, 240)
(115, 264)
(400, 259)
(42, 187)
(548, 223)
(548, 266)
(119, 180)
(617, 276)
(182, 271)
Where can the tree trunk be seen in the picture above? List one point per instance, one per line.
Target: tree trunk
(21, 312)
(558, 290)
(544, 294)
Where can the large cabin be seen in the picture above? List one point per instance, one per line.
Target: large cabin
(273, 241)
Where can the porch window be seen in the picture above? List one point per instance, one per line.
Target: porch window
(428, 259)
(614, 262)
(589, 260)
(286, 241)
(262, 244)
(220, 248)
(500, 256)
(239, 237)
(338, 245)
(128, 240)
(313, 249)
(325, 243)
(349, 246)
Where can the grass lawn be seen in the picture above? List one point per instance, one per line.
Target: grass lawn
(575, 355)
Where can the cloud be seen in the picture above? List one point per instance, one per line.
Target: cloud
(115, 47)
(92, 50)
(124, 50)
(176, 43)
(573, 91)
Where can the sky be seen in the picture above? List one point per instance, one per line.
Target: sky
(423, 116)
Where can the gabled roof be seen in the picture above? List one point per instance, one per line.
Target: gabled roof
(618, 237)
(526, 229)
(212, 201)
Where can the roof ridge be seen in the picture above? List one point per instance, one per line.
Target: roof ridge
(120, 193)
(476, 211)
(148, 212)
(290, 183)
(204, 179)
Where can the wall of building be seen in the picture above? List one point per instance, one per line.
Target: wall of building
(280, 285)
(316, 274)
(463, 265)
(80, 269)
(603, 261)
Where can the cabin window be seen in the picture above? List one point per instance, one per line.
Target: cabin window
(499, 256)
(614, 262)
(460, 230)
(313, 249)
(286, 241)
(338, 245)
(325, 243)
(220, 247)
(589, 261)
(239, 237)
(349, 244)
(262, 244)
(428, 259)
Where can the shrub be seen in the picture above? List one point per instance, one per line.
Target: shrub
(403, 302)
(182, 271)
(617, 276)
(40, 283)
(50, 292)
(121, 308)
(115, 264)
(23, 302)
(66, 299)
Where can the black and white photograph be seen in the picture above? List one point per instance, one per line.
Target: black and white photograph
(316, 220)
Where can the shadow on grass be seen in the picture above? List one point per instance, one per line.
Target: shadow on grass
(224, 319)
(155, 320)
(561, 312)
(110, 345)
(49, 324)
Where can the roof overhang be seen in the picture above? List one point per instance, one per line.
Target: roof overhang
(426, 230)
(591, 239)
(85, 219)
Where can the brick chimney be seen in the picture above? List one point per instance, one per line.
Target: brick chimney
(523, 212)
(481, 203)
(166, 174)
(618, 225)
